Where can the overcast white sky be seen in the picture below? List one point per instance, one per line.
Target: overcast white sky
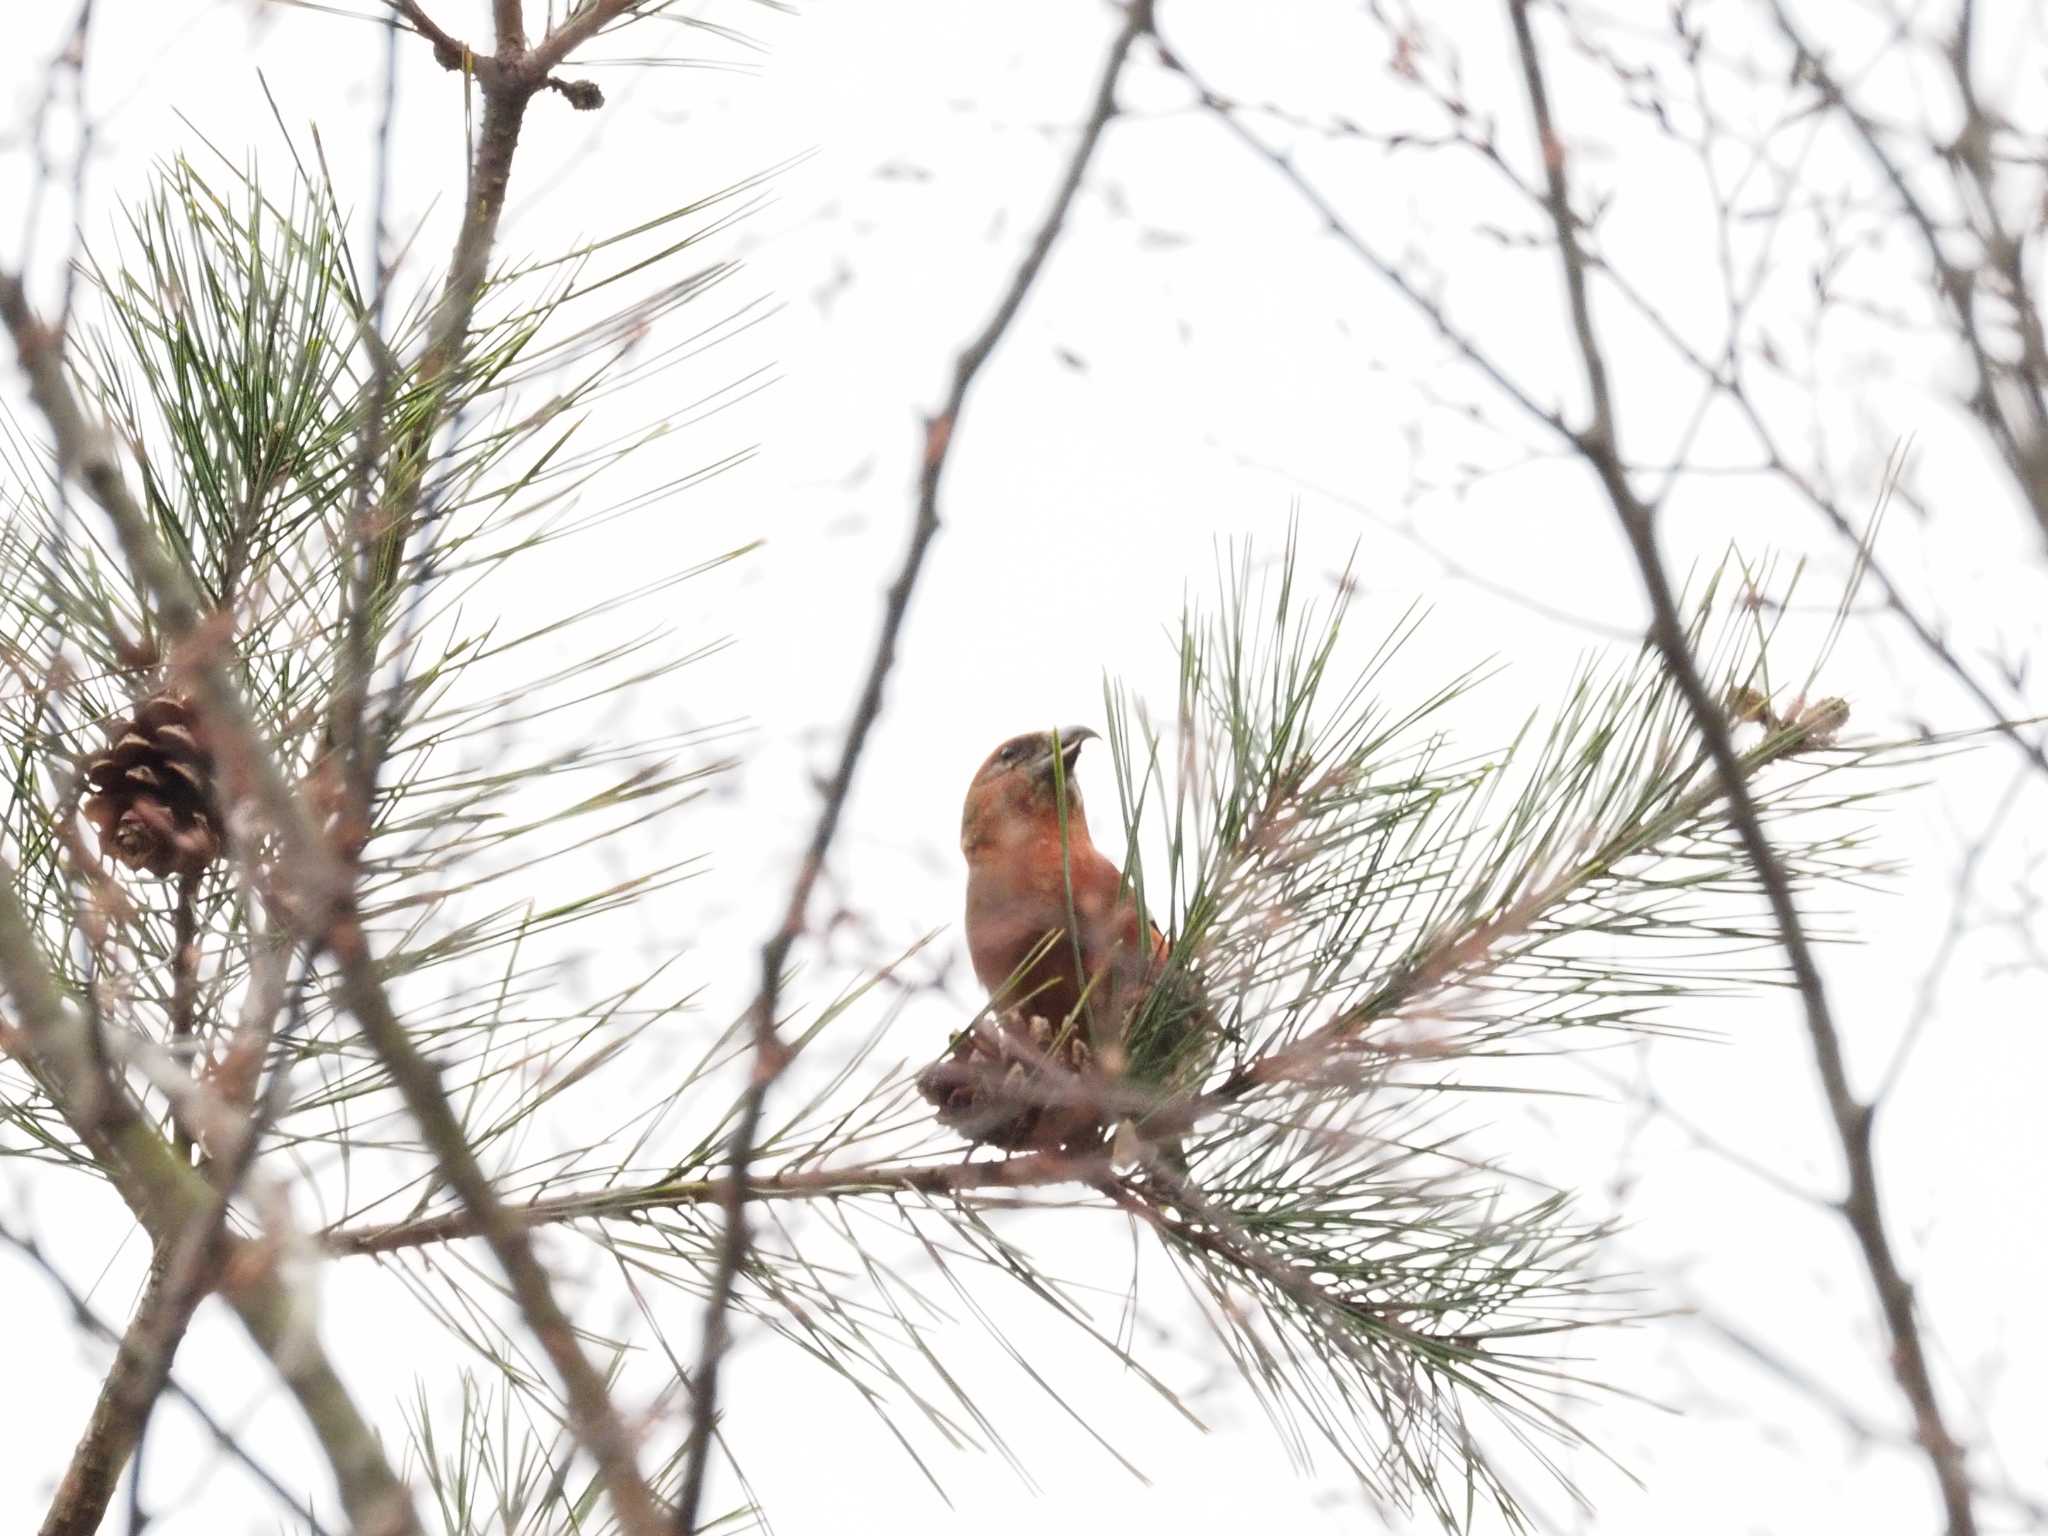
(1198, 364)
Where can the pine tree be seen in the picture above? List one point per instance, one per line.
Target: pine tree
(312, 938)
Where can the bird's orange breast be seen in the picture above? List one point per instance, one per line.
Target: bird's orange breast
(1017, 905)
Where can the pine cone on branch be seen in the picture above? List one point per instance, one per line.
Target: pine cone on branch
(153, 800)
(1019, 1081)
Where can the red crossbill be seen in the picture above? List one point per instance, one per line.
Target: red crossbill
(1067, 955)
(1049, 920)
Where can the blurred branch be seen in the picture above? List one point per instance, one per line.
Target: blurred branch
(1960, 903)
(1845, 1411)
(1852, 1120)
(1404, 529)
(69, 62)
(1230, 114)
(2022, 444)
(170, 1200)
(770, 1054)
(1729, 382)
(81, 1499)
(185, 989)
(1642, 1092)
(126, 1396)
(187, 1267)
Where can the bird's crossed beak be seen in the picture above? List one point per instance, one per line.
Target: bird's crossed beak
(1068, 739)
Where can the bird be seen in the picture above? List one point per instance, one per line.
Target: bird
(1050, 924)
(1060, 941)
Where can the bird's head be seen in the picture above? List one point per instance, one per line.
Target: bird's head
(1015, 793)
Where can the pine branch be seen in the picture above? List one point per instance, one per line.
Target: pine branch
(1478, 947)
(318, 888)
(952, 1177)
(508, 81)
(1284, 1177)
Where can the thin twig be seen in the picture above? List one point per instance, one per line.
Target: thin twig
(1852, 1119)
(357, 749)
(770, 1054)
(1728, 382)
(1229, 114)
(68, 63)
(1960, 905)
(1655, 1104)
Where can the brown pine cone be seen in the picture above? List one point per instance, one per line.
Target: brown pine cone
(153, 803)
(1020, 1082)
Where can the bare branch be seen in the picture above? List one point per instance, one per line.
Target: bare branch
(2023, 445)
(185, 984)
(770, 1055)
(1231, 115)
(1852, 1119)
(1850, 1415)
